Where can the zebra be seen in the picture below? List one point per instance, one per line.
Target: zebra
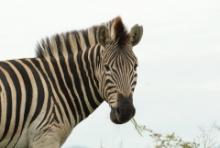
(43, 98)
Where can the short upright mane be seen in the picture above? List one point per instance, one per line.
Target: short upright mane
(63, 43)
(66, 43)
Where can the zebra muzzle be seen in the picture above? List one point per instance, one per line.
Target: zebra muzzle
(124, 111)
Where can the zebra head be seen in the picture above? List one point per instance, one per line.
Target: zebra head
(118, 68)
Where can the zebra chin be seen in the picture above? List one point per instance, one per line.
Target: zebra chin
(123, 113)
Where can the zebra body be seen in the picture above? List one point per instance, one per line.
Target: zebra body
(44, 90)
(42, 99)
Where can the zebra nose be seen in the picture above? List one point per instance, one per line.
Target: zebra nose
(125, 109)
(125, 106)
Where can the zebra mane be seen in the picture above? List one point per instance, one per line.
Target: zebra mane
(66, 43)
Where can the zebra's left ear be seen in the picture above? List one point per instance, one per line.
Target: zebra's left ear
(119, 32)
(136, 34)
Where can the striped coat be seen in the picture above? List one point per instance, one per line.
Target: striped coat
(42, 99)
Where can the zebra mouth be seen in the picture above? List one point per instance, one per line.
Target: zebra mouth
(122, 114)
(120, 118)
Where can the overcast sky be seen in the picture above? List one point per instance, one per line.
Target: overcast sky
(179, 60)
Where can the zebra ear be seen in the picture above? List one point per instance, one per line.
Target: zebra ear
(103, 35)
(136, 34)
(119, 32)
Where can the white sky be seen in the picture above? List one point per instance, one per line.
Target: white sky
(179, 60)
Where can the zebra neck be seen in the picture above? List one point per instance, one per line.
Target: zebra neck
(80, 85)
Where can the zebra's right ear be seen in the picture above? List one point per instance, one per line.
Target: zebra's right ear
(103, 35)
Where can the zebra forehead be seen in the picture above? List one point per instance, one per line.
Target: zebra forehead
(120, 57)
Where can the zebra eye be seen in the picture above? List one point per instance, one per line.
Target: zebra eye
(135, 67)
(107, 68)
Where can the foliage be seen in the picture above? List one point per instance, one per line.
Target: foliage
(164, 141)
(206, 138)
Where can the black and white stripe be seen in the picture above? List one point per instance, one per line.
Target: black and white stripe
(38, 92)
